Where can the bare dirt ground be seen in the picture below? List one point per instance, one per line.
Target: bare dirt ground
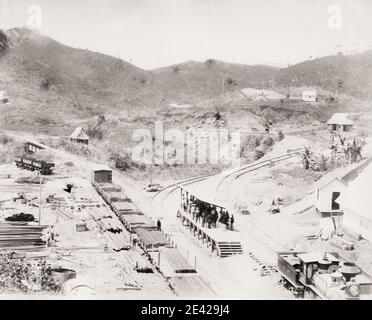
(261, 233)
(80, 251)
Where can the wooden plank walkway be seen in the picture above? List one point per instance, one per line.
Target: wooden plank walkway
(224, 242)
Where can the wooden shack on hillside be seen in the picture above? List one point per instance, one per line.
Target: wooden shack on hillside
(309, 96)
(79, 135)
(340, 122)
(3, 97)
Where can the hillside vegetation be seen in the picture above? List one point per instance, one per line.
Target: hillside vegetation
(51, 85)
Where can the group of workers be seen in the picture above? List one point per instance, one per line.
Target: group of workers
(207, 214)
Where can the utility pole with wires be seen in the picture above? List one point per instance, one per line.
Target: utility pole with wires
(40, 188)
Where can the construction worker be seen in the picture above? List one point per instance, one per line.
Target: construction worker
(232, 220)
(203, 216)
(197, 214)
(135, 239)
(50, 236)
(213, 217)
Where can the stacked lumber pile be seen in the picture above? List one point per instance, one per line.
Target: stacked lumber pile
(176, 261)
(98, 214)
(127, 275)
(57, 202)
(117, 241)
(192, 286)
(84, 202)
(133, 260)
(18, 235)
(29, 180)
(151, 238)
(113, 230)
(110, 224)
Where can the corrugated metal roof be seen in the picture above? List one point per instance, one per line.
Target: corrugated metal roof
(340, 118)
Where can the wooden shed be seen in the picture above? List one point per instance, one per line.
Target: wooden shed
(340, 122)
(79, 136)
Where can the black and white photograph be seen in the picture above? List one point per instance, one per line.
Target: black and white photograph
(185, 150)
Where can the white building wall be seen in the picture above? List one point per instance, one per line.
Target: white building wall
(357, 223)
(324, 195)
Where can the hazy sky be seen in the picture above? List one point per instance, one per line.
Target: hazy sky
(154, 33)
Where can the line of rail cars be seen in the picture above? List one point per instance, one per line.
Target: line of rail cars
(132, 218)
(323, 276)
(32, 164)
(153, 241)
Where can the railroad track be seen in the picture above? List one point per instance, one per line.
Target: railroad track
(165, 192)
(230, 177)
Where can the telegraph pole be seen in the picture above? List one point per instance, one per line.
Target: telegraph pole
(40, 182)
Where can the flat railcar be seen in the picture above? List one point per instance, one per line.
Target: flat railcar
(132, 218)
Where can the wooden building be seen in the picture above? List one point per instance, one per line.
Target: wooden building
(340, 122)
(330, 190)
(79, 136)
(309, 96)
(33, 147)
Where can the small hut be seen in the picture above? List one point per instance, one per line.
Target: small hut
(340, 122)
(309, 96)
(79, 136)
(3, 97)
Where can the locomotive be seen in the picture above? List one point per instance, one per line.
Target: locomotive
(323, 276)
(32, 164)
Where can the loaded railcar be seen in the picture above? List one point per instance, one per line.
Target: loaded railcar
(132, 218)
(324, 276)
(32, 164)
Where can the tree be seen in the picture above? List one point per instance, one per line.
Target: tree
(323, 165)
(280, 135)
(339, 85)
(354, 149)
(4, 43)
(307, 158)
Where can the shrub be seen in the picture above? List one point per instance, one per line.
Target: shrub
(280, 135)
(209, 63)
(43, 120)
(95, 132)
(122, 162)
(231, 81)
(4, 43)
(19, 275)
(5, 139)
(268, 142)
(258, 154)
